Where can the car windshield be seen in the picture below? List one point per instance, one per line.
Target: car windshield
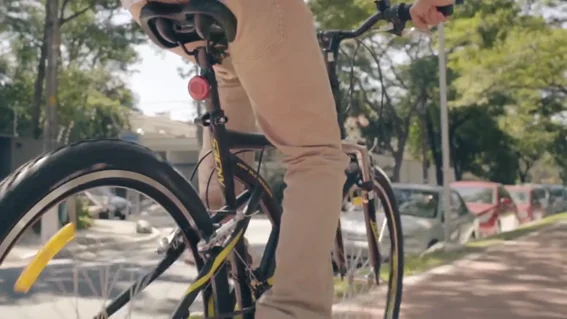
(476, 194)
(416, 202)
(520, 197)
(557, 192)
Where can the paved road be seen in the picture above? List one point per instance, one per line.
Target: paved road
(53, 296)
(525, 279)
(106, 273)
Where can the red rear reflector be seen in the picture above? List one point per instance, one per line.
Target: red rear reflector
(199, 88)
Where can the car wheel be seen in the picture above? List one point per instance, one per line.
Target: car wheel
(473, 236)
(104, 215)
(431, 243)
(121, 216)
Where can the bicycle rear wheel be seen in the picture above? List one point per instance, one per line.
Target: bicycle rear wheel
(46, 181)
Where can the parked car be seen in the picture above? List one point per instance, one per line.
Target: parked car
(104, 204)
(422, 216)
(543, 195)
(489, 201)
(529, 206)
(557, 198)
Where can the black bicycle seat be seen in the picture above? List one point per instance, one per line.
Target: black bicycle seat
(167, 24)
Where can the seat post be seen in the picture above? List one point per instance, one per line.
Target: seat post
(203, 58)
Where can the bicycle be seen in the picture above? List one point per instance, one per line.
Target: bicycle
(47, 180)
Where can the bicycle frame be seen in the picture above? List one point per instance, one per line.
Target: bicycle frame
(223, 141)
(211, 231)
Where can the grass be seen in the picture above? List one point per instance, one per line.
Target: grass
(520, 231)
(416, 264)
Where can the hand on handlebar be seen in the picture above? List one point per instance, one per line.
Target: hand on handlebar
(425, 13)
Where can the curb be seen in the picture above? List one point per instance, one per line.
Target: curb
(453, 265)
(353, 304)
(68, 251)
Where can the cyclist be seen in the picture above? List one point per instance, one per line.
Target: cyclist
(276, 72)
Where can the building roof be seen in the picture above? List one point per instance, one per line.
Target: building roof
(161, 125)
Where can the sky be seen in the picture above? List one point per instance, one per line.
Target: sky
(156, 82)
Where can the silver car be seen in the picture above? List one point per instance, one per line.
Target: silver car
(423, 221)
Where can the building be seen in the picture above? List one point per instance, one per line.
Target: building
(175, 141)
(16, 151)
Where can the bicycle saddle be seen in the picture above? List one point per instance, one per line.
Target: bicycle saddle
(167, 25)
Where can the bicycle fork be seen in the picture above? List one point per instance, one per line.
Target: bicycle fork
(360, 174)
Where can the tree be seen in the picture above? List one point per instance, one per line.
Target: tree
(492, 88)
(393, 79)
(96, 53)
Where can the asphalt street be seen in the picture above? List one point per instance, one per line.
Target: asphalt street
(97, 277)
(80, 287)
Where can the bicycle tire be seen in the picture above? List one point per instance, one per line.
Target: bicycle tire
(48, 179)
(45, 181)
(384, 191)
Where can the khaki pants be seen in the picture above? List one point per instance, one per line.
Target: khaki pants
(276, 77)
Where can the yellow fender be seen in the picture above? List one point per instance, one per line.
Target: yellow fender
(53, 246)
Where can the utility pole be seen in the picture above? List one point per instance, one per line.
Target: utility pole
(50, 220)
(445, 134)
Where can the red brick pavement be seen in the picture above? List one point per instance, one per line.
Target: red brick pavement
(525, 279)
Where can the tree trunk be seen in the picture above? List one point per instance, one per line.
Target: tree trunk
(523, 173)
(458, 172)
(434, 146)
(398, 160)
(399, 157)
(39, 81)
(424, 150)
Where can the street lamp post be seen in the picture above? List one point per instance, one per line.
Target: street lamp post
(50, 220)
(444, 133)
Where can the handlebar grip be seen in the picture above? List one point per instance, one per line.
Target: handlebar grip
(446, 10)
(404, 11)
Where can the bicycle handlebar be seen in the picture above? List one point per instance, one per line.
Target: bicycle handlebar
(398, 15)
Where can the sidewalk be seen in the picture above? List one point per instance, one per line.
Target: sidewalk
(104, 234)
(519, 279)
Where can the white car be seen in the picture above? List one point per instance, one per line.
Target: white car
(422, 217)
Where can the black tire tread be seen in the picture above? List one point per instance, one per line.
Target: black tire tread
(34, 180)
(382, 179)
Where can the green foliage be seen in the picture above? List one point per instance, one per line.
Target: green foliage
(507, 86)
(96, 51)
(84, 219)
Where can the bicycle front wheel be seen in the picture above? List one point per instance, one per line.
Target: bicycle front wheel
(362, 237)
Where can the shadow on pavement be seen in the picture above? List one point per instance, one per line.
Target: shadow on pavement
(522, 279)
(57, 280)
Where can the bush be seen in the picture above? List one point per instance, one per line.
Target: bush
(84, 219)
